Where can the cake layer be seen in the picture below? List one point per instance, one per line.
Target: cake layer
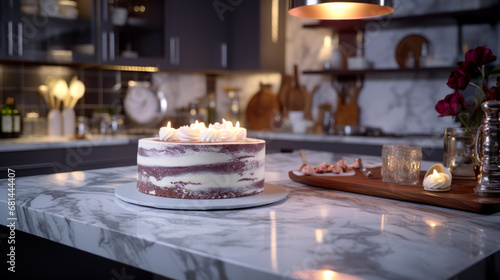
(201, 170)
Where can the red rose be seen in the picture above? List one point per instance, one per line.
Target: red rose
(458, 79)
(469, 67)
(452, 105)
(480, 56)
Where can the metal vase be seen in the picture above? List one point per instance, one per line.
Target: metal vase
(487, 149)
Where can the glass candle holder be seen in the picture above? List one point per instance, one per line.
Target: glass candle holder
(390, 161)
(408, 169)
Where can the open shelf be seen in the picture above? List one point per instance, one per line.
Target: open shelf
(378, 71)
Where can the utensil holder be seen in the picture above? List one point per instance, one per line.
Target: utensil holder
(68, 121)
(54, 122)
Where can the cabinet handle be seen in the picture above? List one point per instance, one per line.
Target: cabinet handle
(112, 45)
(10, 36)
(104, 47)
(223, 50)
(178, 51)
(20, 38)
(172, 50)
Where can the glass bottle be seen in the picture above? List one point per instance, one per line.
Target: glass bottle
(7, 119)
(16, 121)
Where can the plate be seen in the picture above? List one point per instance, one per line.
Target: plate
(129, 193)
(411, 45)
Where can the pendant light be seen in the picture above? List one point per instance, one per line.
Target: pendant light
(340, 10)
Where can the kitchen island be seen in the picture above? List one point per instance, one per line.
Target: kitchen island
(326, 233)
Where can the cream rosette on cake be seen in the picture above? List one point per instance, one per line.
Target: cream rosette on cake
(199, 132)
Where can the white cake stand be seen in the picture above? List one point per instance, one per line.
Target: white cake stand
(129, 193)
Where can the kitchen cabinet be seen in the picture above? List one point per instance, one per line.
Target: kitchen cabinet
(48, 32)
(169, 34)
(197, 36)
(258, 35)
(81, 155)
(133, 32)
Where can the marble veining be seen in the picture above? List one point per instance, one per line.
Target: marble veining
(367, 237)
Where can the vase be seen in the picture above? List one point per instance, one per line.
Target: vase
(54, 123)
(458, 152)
(68, 121)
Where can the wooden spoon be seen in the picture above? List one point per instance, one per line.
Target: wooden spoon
(76, 91)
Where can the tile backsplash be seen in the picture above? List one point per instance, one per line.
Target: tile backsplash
(22, 81)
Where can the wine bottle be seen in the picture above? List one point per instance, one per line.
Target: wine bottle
(16, 121)
(7, 118)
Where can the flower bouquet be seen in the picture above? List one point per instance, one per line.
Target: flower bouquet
(454, 104)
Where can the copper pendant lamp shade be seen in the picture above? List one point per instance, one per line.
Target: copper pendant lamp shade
(340, 10)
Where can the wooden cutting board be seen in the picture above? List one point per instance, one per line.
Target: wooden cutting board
(286, 86)
(348, 112)
(261, 109)
(461, 196)
(297, 97)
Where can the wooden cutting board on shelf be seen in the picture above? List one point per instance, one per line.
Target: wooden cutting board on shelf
(261, 109)
(297, 96)
(348, 112)
(461, 196)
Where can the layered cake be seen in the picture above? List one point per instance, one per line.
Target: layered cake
(199, 162)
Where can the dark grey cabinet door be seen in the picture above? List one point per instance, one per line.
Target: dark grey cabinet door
(197, 36)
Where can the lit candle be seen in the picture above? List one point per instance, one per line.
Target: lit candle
(227, 124)
(168, 133)
(239, 132)
(198, 125)
(437, 182)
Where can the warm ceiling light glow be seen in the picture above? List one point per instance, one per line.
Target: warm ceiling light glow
(130, 68)
(338, 10)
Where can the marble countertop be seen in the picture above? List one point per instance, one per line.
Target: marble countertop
(51, 142)
(46, 142)
(422, 141)
(320, 230)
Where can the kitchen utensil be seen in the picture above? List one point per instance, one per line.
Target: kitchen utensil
(308, 101)
(410, 49)
(43, 91)
(347, 105)
(366, 172)
(298, 94)
(286, 86)
(260, 109)
(303, 155)
(76, 91)
(59, 91)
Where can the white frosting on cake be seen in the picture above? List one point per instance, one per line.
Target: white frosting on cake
(168, 134)
(198, 132)
(189, 134)
(210, 135)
